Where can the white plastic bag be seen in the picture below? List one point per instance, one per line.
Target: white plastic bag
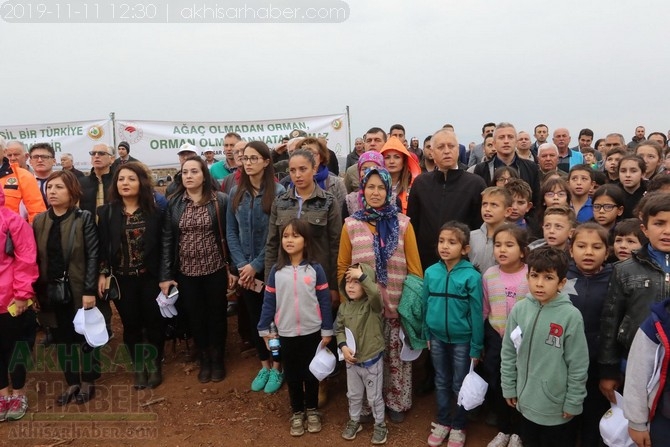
(473, 390)
(614, 426)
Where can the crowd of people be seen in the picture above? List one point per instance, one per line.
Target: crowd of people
(536, 264)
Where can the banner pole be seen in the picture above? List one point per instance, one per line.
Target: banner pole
(112, 116)
(349, 129)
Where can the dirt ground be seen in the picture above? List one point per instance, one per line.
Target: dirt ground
(183, 412)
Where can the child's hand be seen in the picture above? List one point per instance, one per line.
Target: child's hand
(640, 438)
(267, 339)
(474, 361)
(348, 355)
(607, 387)
(325, 340)
(567, 415)
(354, 272)
(511, 401)
(428, 345)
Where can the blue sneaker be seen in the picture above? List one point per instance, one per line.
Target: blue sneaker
(261, 380)
(274, 381)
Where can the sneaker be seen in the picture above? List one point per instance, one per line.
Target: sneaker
(501, 440)
(4, 406)
(313, 421)
(396, 416)
(515, 441)
(298, 424)
(437, 434)
(379, 435)
(456, 438)
(18, 405)
(352, 428)
(261, 379)
(275, 379)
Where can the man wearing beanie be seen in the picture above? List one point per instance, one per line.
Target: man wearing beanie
(124, 156)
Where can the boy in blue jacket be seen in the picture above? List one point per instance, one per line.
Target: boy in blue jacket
(544, 357)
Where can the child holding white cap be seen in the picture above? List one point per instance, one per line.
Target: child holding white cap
(361, 313)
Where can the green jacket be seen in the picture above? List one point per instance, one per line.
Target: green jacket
(363, 318)
(548, 373)
(219, 170)
(453, 305)
(411, 311)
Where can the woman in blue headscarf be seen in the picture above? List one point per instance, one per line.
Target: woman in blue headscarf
(385, 240)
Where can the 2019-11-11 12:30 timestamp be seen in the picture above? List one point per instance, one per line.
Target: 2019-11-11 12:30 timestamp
(178, 11)
(83, 12)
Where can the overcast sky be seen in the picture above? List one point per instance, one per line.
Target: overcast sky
(601, 64)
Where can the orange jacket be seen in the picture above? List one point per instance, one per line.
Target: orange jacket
(19, 185)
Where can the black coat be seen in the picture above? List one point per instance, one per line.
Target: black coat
(528, 171)
(89, 189)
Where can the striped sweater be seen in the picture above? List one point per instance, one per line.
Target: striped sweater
(501, 291)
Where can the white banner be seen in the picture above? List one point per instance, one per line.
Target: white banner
(156, 143)
(76, 138)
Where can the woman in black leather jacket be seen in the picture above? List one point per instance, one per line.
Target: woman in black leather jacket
(130, 229)
(194, 258)
(52, 231)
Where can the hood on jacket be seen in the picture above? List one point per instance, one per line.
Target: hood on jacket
(395, 144)
(367, 271)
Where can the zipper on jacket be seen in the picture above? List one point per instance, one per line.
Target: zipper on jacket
(530, 347)
(446, 308)
(296, 301)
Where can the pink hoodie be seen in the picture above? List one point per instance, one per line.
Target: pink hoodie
(18, 272)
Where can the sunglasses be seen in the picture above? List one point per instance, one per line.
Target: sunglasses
(98, 153)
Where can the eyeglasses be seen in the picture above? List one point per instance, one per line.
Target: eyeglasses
(604, 206)
(551, 194)
(253, 159)
(43, 157)
(503, 179)
(99, 153)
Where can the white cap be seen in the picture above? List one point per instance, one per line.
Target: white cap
(614, 426)
(351, 344)
(95, 329)
(187, 147)
(407, 354)
(78, 321)
(323, 363)
(166, 304)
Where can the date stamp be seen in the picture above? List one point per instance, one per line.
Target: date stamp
(180, 11)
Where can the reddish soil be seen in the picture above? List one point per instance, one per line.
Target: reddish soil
(183, 412)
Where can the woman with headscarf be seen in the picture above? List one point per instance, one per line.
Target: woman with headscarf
(384, 239)
(354, 200)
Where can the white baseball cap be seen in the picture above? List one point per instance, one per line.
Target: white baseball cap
(95, 329)
(323, 363)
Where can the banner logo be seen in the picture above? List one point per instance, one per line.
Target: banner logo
(336, 124)
(130, 133)
(95, 132)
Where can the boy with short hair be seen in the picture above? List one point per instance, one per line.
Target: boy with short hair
(522, 204)
(635, 285)
(580, 181)
(361, 313)
(496, 207)
(590, 157)
(612, 164)
(559, 223)
(628, 236)
(544, 357)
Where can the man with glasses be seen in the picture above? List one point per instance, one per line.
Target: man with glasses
(42, 158)
(231, 180)
(20, 187)
(95, 187)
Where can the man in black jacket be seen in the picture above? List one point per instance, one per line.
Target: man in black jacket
(504, 140)
(95, 187)
(447, 193)
(123, 150)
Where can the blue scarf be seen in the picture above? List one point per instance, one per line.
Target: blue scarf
(321, 176)
(385, 218)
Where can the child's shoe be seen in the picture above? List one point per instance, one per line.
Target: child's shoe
(456, 438)
(515, 441)
(380, 433)
(298, 424)
(501, 440)
(261, 379)
(313, 421)
(437, 434)
(4, 406)
(275, 379)
(352, 428)
(18, 405)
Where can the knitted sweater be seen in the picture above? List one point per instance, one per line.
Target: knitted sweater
(500, 289)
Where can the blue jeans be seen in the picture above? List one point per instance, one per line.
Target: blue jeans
(452, 364)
